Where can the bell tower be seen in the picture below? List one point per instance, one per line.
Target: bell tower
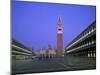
(59, 38)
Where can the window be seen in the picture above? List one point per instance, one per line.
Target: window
(59, 29)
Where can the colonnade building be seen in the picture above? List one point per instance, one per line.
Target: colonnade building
(19, 51)
(84, 44)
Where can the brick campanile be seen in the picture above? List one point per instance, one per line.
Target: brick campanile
(59, 37)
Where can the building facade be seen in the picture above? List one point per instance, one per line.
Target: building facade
(84, 44)
(19, 51)
(47, 52)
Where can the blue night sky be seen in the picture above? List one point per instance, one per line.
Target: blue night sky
(34, 24)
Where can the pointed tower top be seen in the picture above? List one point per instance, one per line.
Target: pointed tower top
(59, 21)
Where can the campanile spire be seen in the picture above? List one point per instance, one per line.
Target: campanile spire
(59, 21)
